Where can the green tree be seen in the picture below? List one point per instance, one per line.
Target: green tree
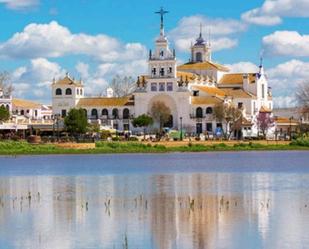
(4, 114)
(76, 122)
(160, 113)
(142, 121)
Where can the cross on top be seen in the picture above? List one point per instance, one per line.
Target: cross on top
(162, 12)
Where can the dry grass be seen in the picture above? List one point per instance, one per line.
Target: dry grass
(214, 142)
(76, 146)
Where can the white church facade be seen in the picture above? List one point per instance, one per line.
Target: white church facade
(190, 91)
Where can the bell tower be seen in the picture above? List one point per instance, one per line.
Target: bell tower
(162, 62)
(201, 50)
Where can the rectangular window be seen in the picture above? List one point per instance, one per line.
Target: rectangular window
(153, 87)
(240, 105)
(126, 127)
(63, 113)
(161, 87)
(254, 106)
(209, 127)
(169, 87)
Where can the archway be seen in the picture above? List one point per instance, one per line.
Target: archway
(171, 104)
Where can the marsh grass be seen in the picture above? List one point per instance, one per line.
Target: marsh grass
(24, 148)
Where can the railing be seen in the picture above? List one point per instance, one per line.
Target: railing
(207, 117)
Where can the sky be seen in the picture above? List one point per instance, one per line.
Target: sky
(94, 40)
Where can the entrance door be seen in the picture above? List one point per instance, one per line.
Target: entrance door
(199, 128)
(169, 123)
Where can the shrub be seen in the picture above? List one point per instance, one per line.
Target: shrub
(133, 139)
(301, 141)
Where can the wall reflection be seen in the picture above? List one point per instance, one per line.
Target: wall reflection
(180, 211)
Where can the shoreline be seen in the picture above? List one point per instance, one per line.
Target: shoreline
(10, 148)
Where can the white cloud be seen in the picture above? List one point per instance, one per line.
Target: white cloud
(272, 11)
(286, 43)
(53, 40)
(243, 67)
(97, 81)
(20, 4)
(285, 79)
(222, 31)
(284, 101)
(33, 81)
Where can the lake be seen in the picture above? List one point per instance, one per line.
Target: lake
(156, 201)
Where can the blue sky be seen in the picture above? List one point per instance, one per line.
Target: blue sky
(96, 39)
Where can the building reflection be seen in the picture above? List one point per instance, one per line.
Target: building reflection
(148, 211)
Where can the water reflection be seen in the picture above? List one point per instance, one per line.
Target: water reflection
(197, 210)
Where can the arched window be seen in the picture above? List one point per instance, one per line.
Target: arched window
(94, 113)
(77, 91)
(115, 113)
(208, 110)
(104, 112)
(68, 91)
(22, 112)
(85, 111)
(199, 112)
(198, 57)
(81, 91)
(58, 91)
(126, 113)
(8, 107)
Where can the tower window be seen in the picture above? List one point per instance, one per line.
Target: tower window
(263, 91)
(170, 70)
(198, 57)
(162, 72)
(154, 71)
(161, 53)
(68, 91)
(58, 91)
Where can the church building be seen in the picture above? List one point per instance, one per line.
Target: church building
(190, 91)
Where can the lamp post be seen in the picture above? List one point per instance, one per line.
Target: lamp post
(56, 118)
(180, 128)
(291, 128)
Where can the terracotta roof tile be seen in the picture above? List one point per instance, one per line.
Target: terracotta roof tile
(237, 93)
(205, 100)
(68, 81)
(22, 103)
(236, 79)
(104, 101)
(210, 90)
(202, 66)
